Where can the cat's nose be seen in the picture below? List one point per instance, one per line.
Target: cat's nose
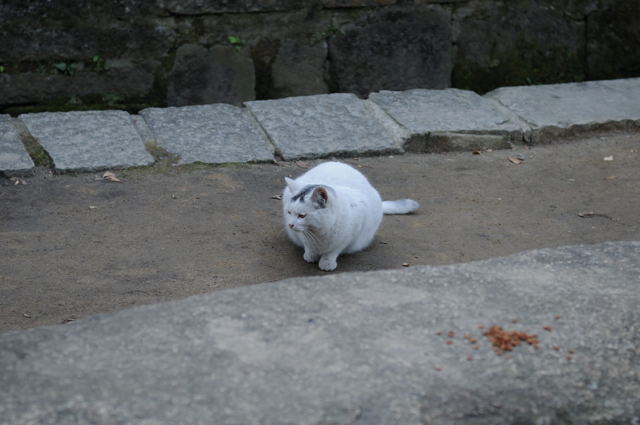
(291, 226)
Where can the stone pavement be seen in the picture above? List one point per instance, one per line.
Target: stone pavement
(321, 126)
(403, 346)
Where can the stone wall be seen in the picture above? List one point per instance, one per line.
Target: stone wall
(88, 54)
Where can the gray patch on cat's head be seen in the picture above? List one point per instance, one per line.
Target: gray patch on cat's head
(304, 192)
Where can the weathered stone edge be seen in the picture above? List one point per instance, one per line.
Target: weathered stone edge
(215, 338)
(442, 141)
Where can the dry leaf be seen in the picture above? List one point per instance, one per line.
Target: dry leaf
(109, 176)
(303, 164)
(278, 197)
(611, 178)
(516, 160)
(476, 152)
(17, 180)
(405, 264)
(92, 207)
(608, 158)
(586, 214)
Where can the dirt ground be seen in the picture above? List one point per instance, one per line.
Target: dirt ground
(76, 245)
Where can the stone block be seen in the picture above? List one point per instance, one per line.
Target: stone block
(556, 109)
(13, 156)
(208, 133)
(203, 76)
(42, 87)
(529, 42)
(46, 31)
(198, 7)
(88, 140)
(451, 110)
(392, 49)
(323, 125)
(612, 40)
(386, 347)
(299, 68)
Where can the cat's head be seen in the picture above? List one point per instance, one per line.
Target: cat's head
(309, 206)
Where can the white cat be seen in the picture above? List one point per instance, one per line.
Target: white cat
(333, 209)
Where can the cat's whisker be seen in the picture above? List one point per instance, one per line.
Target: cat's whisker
(312, 236)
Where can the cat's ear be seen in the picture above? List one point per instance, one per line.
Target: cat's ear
(292, 185)
(320, 197)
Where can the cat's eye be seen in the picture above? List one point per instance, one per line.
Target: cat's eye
(302, 215)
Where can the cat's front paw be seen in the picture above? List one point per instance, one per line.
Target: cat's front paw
(310, 257)
(327, 264)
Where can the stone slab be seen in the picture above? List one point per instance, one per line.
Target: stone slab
(88, 140)
(220, 74)
(451, 110)
(565, 106)
(322, 125)
(368, 348)
(372, 51)
(13, 156)
(208, 133)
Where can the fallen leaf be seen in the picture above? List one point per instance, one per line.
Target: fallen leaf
(586, 214)
(608, 158)
(611, 178)
(276, 197)
(92, 207)
(516, 160)
(17, 180)
(303, 164)
(476, 152)
(110, 176)
(27, 315)
(405, 264)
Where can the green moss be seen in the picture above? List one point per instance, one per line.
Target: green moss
(161, 155)
(37, 153)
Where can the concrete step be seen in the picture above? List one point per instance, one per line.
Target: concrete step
(372, 348)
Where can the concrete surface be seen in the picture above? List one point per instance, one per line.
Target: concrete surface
(555, 109)
(86, 140)
(208, 133)
(340, 123)
(452, 110)
(76, 245)
(13, 156)
(394, 347)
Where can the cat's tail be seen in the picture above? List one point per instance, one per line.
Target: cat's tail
(400, 206)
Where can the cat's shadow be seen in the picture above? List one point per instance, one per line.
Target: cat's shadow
(374, 257)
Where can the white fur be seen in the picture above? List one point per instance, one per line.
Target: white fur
(340, 215)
